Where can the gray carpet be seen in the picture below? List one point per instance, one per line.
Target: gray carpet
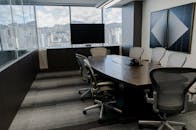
(53, 103)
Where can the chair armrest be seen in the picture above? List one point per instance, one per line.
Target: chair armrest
(192, 89)
(105, 83)
(155, 102)
(192, 92)
(185, 103)
(96, 75)
(152, 100)
(148, 99)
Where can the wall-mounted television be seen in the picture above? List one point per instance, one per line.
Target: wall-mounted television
(87, 33)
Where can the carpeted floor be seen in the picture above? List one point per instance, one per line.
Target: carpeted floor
(53, 103)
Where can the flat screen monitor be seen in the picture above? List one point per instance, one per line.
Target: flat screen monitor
(87, 33)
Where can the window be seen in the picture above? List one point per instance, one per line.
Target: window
(17, 31)
(112, 18)
(7, 40)
(85, 15)
(29, 27)
(19, 27)
(53, 26)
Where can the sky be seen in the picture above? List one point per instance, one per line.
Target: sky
(5, 15)
(85, 15)
(48, 16)
(18, 17)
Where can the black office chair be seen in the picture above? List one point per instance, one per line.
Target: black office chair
(170, 95)
(103, 93)
(85, 75)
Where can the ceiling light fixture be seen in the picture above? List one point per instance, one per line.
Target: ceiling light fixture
(103, 3)
(107, 3)
(110, 4)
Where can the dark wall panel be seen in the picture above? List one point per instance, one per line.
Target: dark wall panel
(64, 59)
(137, 23)
(15, 82)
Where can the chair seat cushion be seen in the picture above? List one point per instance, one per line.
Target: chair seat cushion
(105, 93)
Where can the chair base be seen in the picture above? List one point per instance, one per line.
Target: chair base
(162, 124)
(101, 105)
(85, 92)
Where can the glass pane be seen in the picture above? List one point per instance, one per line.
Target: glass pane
(16, 2)
(6, 35)
(29, 15)
(113, 26)
(85, 15)
(19, 26)
(7, 39)
(30, 27)
(53, 26)
(6, 2)
(17, 11)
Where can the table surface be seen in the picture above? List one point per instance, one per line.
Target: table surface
(119, 68)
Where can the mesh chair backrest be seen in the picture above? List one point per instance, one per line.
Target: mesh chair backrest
(157, 55)
(171, 85)
(80, 59)
(91, 72)
(136, 52)
(100, 51)
(176, 60)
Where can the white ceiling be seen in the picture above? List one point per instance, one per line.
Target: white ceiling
(63, 2)
(72, 2)
(67, 2)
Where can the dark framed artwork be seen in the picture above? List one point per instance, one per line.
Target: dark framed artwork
(180, 23)
(172, 28)
(158, 28)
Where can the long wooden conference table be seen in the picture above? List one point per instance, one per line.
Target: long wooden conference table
(119, 68)
(134, 80)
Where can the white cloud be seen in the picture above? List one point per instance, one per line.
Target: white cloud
(17, 14)
(48, 16)
(113, 15)
(86, 14)
(5, 15)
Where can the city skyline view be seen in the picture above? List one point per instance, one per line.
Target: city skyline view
(18, 24)
(49, 31)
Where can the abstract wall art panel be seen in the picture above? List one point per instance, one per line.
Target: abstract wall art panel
(180, 22)
(172, 28)
(158, 28)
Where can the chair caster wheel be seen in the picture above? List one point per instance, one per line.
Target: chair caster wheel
(84, 112)
(79, 92)
(184, 128)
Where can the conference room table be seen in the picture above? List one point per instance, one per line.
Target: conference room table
(118, 68)
(133, 79)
